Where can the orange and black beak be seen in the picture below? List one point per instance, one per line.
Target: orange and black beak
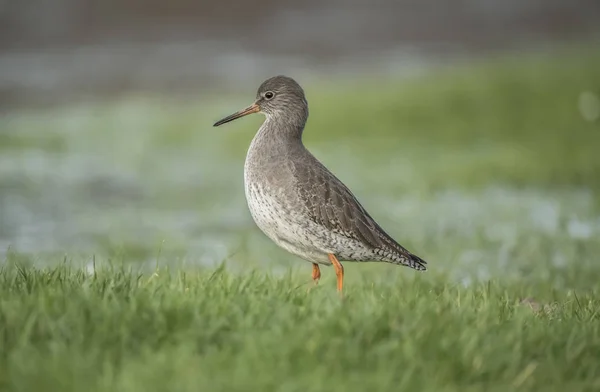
(254, 108)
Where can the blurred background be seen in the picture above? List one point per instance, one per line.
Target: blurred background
(59, 50)
(470, 129)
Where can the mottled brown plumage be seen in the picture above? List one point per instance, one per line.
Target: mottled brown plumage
(333, 206)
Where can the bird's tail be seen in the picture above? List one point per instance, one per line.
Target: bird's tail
(415, 262)
(397, 254)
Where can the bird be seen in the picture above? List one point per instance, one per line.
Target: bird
(300, 204)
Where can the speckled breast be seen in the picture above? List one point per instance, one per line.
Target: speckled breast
(278, 213)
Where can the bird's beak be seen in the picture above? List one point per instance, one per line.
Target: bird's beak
(254, 108)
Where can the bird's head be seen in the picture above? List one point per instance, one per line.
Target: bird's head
(278, 97)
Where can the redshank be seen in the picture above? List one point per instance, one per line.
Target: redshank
(296, 201)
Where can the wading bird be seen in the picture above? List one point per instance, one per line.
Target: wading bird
(296, 201)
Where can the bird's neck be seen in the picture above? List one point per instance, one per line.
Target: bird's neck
(277, 140)
(282, 129)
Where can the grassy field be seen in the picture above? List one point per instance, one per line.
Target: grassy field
(488, 170)
(64, 329)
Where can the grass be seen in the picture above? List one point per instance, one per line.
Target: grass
(488, 170)
(113, 329)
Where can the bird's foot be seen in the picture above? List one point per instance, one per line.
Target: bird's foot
(316, 273)
(339, 272)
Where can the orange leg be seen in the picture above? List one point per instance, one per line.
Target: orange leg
(316, 274)
(339, 271)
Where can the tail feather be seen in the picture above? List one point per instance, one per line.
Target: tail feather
(415, 262)
(392, 252)
(403, 257)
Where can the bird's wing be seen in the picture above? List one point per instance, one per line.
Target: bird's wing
(332, 205)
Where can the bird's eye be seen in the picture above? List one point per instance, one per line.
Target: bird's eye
(269, 95)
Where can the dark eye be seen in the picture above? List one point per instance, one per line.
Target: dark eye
(269, 94)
